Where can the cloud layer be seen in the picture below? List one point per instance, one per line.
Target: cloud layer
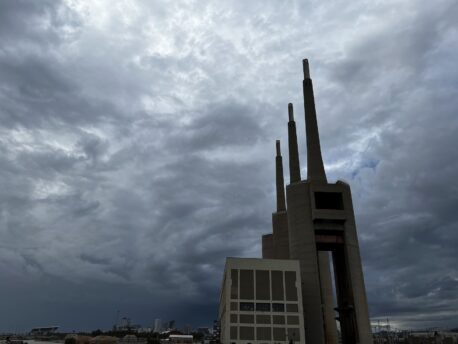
(137, 150)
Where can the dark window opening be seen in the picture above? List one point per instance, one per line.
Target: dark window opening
(247, 284)
(277, 285)
(246, 333)
(292, 307)
(263, 307)
(262, 285)
(235, 283)
(246, 318)
(246, 306)
(328, 200)
(290, 284)
(263, 319)
(278, 307)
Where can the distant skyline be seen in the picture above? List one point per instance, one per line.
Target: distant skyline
(137, 145)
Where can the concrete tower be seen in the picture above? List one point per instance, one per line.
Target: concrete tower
(321, 220)
(280, 217)
(276, 245)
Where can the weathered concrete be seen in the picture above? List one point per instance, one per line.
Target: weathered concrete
(302, 247)
(327, 298)
(268, 251)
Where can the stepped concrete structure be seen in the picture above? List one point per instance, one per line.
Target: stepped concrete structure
(319, 223)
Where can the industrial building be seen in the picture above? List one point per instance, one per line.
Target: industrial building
(313, 225)
(261, 301)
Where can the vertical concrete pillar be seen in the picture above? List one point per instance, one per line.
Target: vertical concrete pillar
(327, 295)
(355, 270)
(302, 247)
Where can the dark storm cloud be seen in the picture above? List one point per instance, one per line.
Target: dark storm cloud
(137, 143)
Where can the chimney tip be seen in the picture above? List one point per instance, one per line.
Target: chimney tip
(290, 112)
(277, 143)
(305, 64)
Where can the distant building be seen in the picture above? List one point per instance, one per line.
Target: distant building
(168, 326)
(44, 331)
(157, 325)
(203, 330)
(180, 339)
(144, 330)
(261, 301)
(187, 329)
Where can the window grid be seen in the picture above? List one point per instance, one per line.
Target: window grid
(256, 325)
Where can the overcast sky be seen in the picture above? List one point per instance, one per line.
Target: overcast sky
(137, 143)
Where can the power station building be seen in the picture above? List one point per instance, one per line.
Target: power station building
(312, 226)
(261, 301)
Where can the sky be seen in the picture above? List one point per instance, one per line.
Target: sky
(137, 144)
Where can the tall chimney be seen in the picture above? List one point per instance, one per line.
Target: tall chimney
(315, 167)
(281, 203)
(294, 167)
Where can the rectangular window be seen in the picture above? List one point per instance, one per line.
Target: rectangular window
(292, 307)
(235, 283)
(246, 284)
(233, 318)
(263, 333)
(262, 319)
(246, 306)
(234, 332)
(246, 318)
(263, 307)
(277, 286)
(278, 319)
(294, 334)
(292, 320)
(328, 200)
(279, 334)
(234, 306)
(278, 307)
(246, 333)
(290, 286)
(262, 285)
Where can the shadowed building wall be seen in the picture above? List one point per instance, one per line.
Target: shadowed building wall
(268, 251)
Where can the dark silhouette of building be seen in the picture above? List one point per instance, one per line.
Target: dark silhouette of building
(319, 223)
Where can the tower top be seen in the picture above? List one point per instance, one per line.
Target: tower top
(290, 112)
(305, 66)
(315, 166)
(277, 143)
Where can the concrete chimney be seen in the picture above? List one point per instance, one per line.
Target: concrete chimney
(281, 203)
(294, 167)
(315, 167)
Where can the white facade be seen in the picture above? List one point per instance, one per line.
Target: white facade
(261, 302)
